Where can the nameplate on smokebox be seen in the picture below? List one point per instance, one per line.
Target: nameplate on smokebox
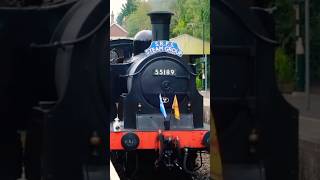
(163, 46)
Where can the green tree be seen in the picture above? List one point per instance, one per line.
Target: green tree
(138, 20)
(285, 31)
(284, 67)
(127, 9)
(192, 17)
(285, 24)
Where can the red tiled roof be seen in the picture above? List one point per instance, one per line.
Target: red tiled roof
(117, 31)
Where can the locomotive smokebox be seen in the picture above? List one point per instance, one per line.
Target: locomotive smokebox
(160, 21)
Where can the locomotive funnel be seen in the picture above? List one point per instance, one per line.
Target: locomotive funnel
(160, 21)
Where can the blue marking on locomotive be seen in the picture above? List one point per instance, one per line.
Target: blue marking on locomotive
(164, 46)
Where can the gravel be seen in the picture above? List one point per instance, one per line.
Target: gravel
(148, 172)
(204, 172)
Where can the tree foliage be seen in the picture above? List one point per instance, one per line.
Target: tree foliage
(285, 23)
(285, 30)
(126, 10)
(191, 16)
(284, 67)
(139, 20)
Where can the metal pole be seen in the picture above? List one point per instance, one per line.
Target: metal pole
(203, 39)
(300, 63)
(307, 53)
(296, 7)
(206, 73)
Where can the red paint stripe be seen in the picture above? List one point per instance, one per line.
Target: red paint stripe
(149, 139)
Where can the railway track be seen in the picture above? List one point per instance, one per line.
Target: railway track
(147, 171)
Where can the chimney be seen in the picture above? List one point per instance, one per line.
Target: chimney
(112, 17)
(160, 21)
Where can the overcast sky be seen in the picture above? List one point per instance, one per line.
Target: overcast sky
(115, 6)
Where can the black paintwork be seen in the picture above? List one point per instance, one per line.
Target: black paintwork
(135, 83)
(144, 87)
(123, 47)
(72, 79)
(245, 94)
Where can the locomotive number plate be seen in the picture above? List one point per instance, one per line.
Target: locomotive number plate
(164, 72)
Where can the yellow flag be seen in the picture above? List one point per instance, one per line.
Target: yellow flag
(175, 108)
(216, 164)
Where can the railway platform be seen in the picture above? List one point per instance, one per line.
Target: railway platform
(309, 134)
(206, 105)
(309, 120)
(113, 173)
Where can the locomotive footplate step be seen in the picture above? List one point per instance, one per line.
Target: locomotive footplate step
(173, 126)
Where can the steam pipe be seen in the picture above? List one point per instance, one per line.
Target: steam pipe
(185, 168)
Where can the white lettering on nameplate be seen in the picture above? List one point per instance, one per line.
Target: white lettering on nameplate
(164, 46)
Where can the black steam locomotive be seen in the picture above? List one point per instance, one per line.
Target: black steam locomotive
(155, 74)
